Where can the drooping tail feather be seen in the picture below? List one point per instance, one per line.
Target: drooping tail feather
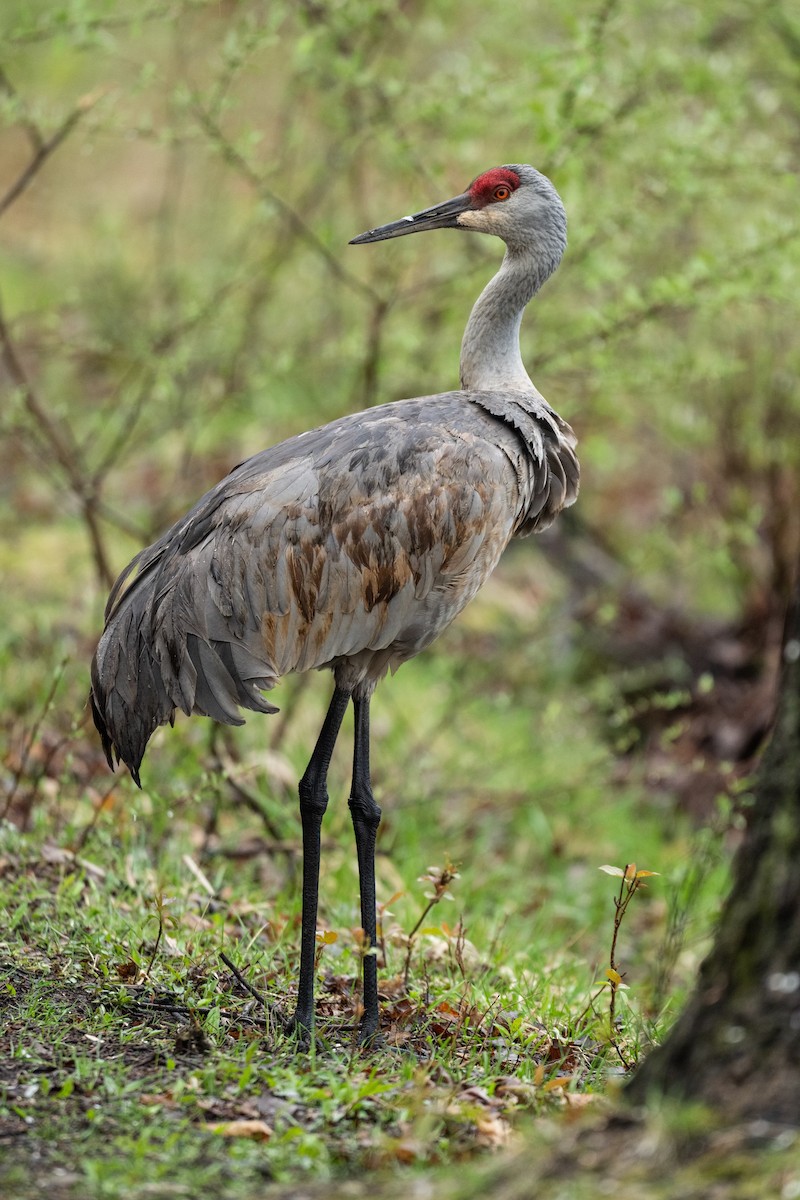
(155, 656)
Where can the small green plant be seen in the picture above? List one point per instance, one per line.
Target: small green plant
(163, 919)
(631, 880)
(439, 880)
(154, 334)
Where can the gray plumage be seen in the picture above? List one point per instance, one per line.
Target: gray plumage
(350, 547)
(354, 545)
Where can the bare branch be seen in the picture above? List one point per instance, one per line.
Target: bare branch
(30, 127)
(93, 25)
(786, 31)
(248, 987)
(33, 733)
(372, 357)
(628, 321)
(298, 225)
(59, 441)
(45, 149)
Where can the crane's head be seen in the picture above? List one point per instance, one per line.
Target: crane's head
(515, 202)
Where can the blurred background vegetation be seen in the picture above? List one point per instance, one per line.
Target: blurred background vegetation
(178, 183)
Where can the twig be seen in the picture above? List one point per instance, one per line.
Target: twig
(440, 880)
(291, 847)
(60, 442)
(91, 24)
(627, 322)
(34, 731)
(227, 769)
(576, 1024)
(248, 987)
(45, 148)
(160, 917)
(372, 356)
(630, 881)
(30, 126)
(620, 904)
(299, 226)
(785, 31)
(82, 838)
(201, 878)
(158, 347)
(598, 23)
(165, 1006)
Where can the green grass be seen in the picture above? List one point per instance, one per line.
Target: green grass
(179, 298)
(133, 1056)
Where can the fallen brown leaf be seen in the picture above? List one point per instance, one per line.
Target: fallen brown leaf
(259, 1131)
(578, 1100)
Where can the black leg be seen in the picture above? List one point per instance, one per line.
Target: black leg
(313, 802)
(366, 818)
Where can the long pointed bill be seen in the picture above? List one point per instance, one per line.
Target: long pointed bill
(441, 216)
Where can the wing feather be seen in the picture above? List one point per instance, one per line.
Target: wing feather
(351, 546)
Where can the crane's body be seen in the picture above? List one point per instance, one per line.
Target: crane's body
(350, 547)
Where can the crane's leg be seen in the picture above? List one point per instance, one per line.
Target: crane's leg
(313, 802)
(366, 818)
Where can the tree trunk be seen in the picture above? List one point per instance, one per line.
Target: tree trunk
(736, 1046)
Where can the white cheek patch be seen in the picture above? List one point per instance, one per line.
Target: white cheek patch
(471, 219)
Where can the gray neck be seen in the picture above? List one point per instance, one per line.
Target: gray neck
(490, 356)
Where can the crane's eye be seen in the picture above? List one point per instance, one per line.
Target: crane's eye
(502, 192)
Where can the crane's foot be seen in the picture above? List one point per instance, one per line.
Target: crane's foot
(370, 1036)
(375, 1042)
(301, 1029)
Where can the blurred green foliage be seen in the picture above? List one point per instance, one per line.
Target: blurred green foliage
(178, 183)
(177, 292)
(179, 282)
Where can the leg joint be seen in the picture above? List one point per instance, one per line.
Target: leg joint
(313, 794)
(363, 808)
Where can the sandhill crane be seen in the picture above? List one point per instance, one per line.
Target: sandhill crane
(350, 547)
